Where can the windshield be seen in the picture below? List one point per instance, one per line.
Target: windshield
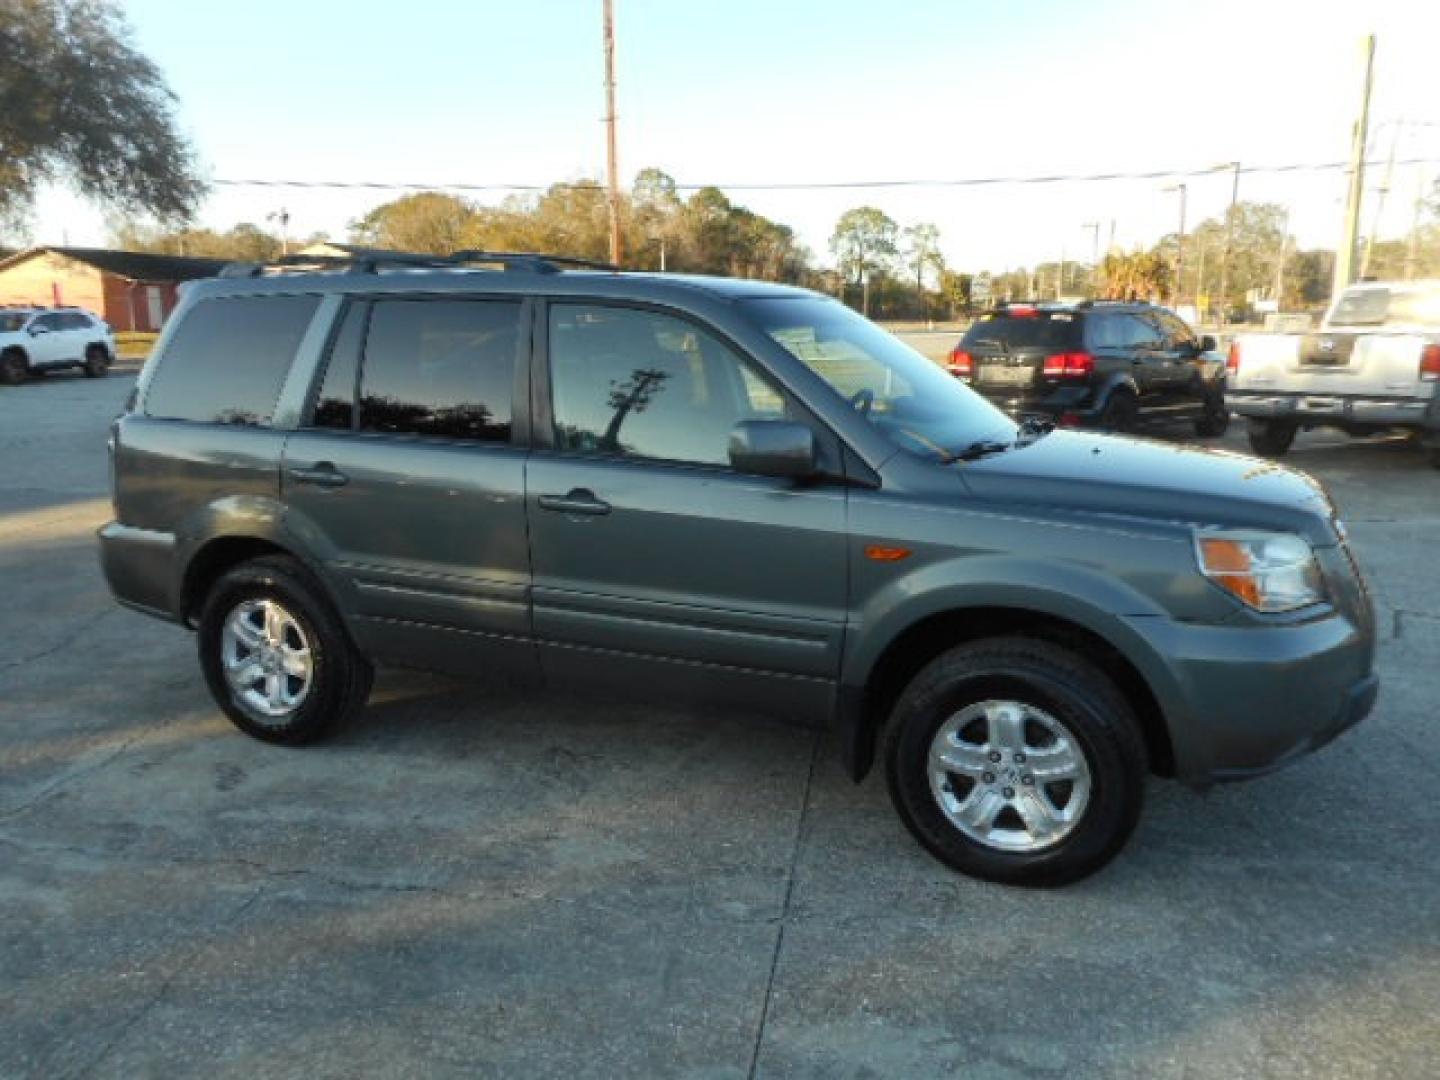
(915, 403)
(10, 321)
(1376, 307)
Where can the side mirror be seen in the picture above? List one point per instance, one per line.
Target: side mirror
(1207, 344)
(773, 448)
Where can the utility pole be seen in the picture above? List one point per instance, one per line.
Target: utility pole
(1345, 254)
(1412, 256)
(1182, 188)
(1094, 227)
(1380, 195)
(611, 166)
(1060, 274)
(1280, 262)
(1229, 235)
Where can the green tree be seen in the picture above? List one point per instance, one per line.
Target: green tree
(1136, 275)
(864, 239)
(79, 104)
(955, 290)
(429, 222)
(244, 242)
(922, 252)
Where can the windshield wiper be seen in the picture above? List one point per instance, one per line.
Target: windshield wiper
(1032, 429)
(978, 449)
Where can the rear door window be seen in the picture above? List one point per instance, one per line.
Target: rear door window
(443, 368)
(229, 358)
(1010, 333)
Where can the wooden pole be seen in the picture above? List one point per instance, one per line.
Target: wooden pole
(1345, 254)
(611, 165)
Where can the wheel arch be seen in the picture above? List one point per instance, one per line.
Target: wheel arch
(865, 709)
(216, 557)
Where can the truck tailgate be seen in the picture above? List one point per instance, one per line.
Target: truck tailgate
(1343, 364)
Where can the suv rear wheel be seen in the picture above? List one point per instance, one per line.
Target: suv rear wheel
(1016, 760)
(1214, 421)
(97, 361)
(276, 656)
(1271, 438)
(1120, 412)
(13, 367)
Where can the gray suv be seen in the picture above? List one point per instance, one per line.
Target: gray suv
(733, 491)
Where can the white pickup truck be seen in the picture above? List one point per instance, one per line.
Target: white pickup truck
(1373, 365)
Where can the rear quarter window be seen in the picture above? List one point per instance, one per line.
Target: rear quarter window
(228, 359)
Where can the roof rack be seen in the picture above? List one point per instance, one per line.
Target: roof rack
(370, 263)
(1117, 303)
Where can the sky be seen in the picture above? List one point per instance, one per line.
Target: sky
(796, 91)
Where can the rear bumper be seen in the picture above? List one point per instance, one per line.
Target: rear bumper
(139, 567)
(1243, 701)
(1338, 409)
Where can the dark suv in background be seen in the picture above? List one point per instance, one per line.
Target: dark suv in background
(1110, 365)
(734, 491)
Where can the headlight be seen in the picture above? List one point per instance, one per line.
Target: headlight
(1268, 571)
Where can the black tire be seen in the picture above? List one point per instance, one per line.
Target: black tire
(1073, 692)
(1120, 413)
(1215, 420)
(13, 367)
(97, 362)
(341, 676)
(1271, 438)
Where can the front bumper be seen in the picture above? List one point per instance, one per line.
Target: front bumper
(1244, 700)
(1340, 410)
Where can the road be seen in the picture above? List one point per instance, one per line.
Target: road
(474, 881)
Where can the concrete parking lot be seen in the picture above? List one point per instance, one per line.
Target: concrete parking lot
(472, 881)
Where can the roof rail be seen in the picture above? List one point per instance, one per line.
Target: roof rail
(371, 263)
(1100, 301)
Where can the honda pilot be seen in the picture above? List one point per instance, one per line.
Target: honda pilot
(726, 491)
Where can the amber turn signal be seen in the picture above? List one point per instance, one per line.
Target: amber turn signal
(884, 553)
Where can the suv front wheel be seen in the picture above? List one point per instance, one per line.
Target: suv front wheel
(276, 656)
(1016, 760)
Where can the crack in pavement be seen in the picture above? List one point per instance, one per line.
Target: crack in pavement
(65, 779)
(65, 641)
(181, 966)
(785, 908)
(1399, 617)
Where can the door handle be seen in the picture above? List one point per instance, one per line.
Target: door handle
(578, 501)
(322, 474)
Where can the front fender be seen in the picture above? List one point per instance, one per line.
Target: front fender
(1096, 602)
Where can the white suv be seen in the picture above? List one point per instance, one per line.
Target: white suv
(48, 339)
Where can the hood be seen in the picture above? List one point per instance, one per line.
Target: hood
(1137, 477)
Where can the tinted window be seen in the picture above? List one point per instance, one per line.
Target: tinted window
(1375, 307)
(1042, 330)
(74, 321)
(635, 382)
(1361, 307)
(440, 367)
(1137, 332)
(9, 323)
(335, 404)
(228, 359)
(1177, 334)
(49, 322)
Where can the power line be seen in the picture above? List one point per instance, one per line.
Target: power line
(827, 185)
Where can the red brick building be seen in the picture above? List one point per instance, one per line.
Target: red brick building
(131, 290)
